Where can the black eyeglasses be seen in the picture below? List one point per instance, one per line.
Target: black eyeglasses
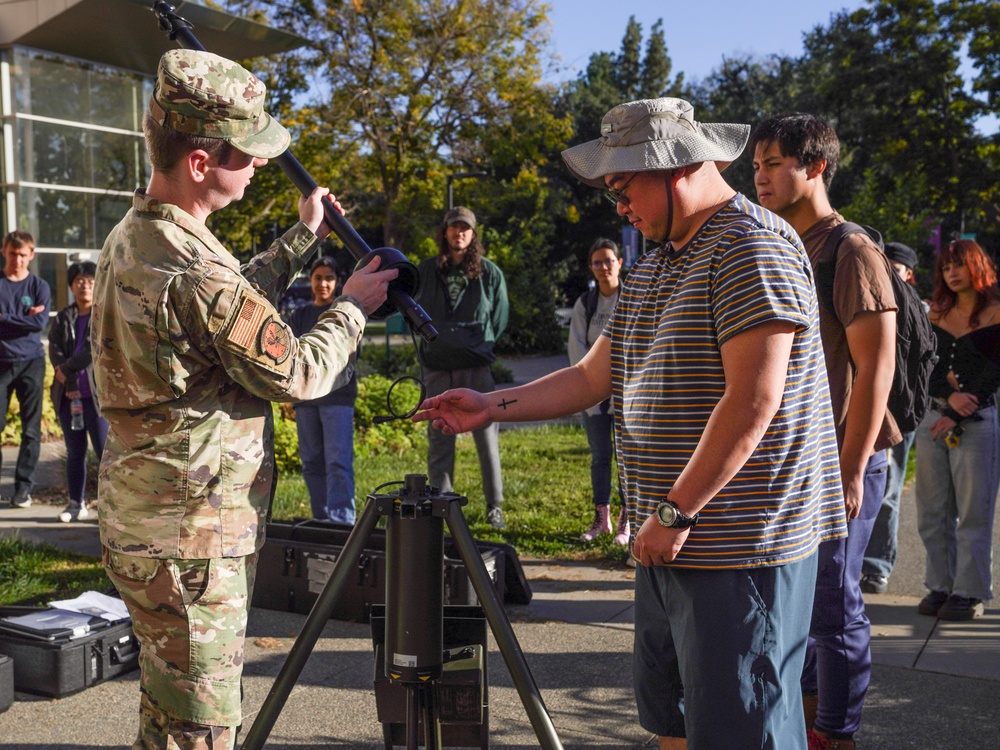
(617, 195)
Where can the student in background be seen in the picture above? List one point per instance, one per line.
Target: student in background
(591, 313)
(69, 352)
(24, 313)
(326, 424)
(958, 442)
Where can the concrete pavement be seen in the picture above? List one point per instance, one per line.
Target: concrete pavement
(934, 684)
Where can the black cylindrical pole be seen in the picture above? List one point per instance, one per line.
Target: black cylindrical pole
(414, 587)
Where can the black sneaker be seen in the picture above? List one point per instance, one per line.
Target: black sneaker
(21, 500)
(932, 603)
(961, 609)
(872, 583)
(494, 517)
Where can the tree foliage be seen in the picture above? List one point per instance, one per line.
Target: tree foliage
(393, 96)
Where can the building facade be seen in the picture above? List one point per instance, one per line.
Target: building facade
(75, 77)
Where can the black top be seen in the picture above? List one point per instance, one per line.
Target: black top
(974, 358)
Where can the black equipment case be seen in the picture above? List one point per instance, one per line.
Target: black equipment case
(65, 666)
(6, 683)
(298, 557)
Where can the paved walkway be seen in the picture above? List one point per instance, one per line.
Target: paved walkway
(934, 684)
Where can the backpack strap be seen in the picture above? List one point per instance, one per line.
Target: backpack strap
(826, 271)
(590, 303)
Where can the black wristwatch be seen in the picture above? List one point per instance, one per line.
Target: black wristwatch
(669, 515)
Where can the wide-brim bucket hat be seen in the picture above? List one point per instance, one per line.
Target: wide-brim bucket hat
(651, 135)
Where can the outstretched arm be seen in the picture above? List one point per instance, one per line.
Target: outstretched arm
(558, 394)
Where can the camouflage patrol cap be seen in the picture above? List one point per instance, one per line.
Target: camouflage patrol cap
(206, 95)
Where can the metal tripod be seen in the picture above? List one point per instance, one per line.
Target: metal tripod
(414, 612)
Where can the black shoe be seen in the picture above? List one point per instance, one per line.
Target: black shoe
(872, 583)
(961, 609)
(494, 517)
(932, 603)
(21, 500)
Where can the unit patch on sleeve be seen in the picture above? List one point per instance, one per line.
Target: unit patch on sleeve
(274, 340)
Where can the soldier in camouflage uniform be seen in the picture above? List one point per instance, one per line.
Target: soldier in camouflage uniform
(188, 352)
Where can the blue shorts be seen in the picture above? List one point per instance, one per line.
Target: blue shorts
(718, 654)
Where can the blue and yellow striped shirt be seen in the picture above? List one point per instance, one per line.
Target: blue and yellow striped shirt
(745, 267)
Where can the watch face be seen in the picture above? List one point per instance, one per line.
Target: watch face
(667, 514)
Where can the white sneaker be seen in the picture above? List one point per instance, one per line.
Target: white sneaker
(74, 512)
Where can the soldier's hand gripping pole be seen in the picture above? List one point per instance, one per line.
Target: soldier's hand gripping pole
(401, 290)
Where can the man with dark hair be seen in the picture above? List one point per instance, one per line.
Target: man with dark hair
(795, 158)
(466, 296)
(188, 353)
(24, 313)
(727, 453)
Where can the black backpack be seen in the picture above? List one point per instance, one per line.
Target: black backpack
(916, 344)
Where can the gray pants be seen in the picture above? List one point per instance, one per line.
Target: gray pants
(441, 447)
(956, 498)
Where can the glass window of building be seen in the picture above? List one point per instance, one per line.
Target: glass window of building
(72, 139)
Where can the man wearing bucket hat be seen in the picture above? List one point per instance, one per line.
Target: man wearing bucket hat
(188, 353)
(727, 453)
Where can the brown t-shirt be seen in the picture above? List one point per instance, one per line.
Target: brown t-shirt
(861, 284)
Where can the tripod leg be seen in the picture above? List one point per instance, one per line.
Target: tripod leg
(513, 657)
(311, 629)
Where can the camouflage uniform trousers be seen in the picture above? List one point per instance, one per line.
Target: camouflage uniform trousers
(190, 617)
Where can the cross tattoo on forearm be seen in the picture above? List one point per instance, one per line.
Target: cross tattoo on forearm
(505, 403)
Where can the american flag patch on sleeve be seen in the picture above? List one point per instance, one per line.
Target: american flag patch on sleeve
(247, 323)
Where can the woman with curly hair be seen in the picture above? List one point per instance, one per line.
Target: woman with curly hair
(958, 442)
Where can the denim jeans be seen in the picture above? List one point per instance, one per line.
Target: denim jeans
(880, 557)
(718, 654)
(76, 445)
(26, 378)
(838, 657)
(956, 498)
(441, 447)
(600, 436)
(326, 447)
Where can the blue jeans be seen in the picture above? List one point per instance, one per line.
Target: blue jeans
(880, 557)
(326, 447)
(26, 379)
(76, 445)
(838, 659)
(600, 436)
(956, 498)
(718, 654)
(441, 447)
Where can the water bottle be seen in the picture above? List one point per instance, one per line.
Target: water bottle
(76, 412)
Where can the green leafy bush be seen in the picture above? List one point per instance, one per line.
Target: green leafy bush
(398, 436)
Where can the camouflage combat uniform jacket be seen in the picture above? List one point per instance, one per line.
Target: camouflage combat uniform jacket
(188, 353)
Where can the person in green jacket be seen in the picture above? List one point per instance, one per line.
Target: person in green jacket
(466, 296)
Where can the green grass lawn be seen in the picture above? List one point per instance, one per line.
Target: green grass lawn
(547, 497)
(547, 504)
(35, 574)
